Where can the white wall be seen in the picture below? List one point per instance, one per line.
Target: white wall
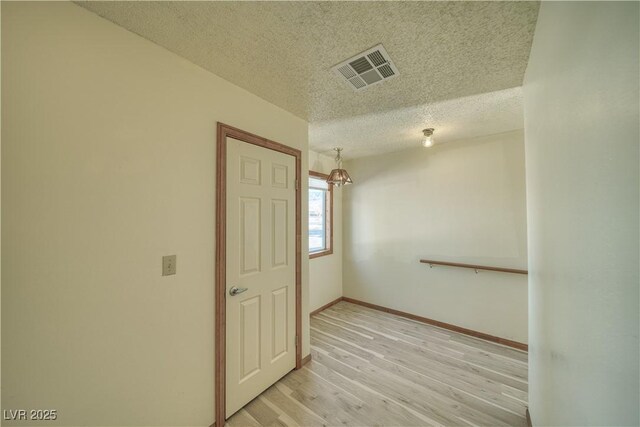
(581, 124)
(325, 272)
(108, 151)
(462, 201)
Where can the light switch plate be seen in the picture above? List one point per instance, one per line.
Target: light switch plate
(168, 265)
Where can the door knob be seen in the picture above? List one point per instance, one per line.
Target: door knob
(236, 290)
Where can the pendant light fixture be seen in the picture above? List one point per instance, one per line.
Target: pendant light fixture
(339, 176)
(427, 140)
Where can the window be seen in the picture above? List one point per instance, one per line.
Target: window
(320, 215)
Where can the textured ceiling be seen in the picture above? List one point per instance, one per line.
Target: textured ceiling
(284, 51)
(455, 119)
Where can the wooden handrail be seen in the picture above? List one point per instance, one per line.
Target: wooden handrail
(474, 267)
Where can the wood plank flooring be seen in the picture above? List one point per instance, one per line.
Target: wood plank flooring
(371, 368)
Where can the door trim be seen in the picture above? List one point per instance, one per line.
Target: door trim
(224, 131)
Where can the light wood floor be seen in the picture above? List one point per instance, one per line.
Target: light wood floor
(371, 368)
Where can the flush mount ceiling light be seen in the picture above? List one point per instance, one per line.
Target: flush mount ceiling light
(339, 176)
(427, 140)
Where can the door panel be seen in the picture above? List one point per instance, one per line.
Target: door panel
(279, 176)
(249, 170)
(250, 235)
(260, 322)
(279, 323)
(279, 233)
(250, 337)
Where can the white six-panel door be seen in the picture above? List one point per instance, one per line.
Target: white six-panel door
(260, 322)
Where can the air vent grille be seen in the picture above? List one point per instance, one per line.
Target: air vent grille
(357, 82)
(347, 72)
(377, 58)
(366, 69)
(386, 71)
(371, 77)
(361, 65)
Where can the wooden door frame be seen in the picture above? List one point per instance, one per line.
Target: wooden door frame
(224, 132)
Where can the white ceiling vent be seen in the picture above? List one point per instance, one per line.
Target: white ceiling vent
(367, 68)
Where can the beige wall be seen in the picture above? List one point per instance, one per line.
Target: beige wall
(462, 201)
(582, 139)
(325, 272)
(108, 151)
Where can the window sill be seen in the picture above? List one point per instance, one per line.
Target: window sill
(318, 254)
